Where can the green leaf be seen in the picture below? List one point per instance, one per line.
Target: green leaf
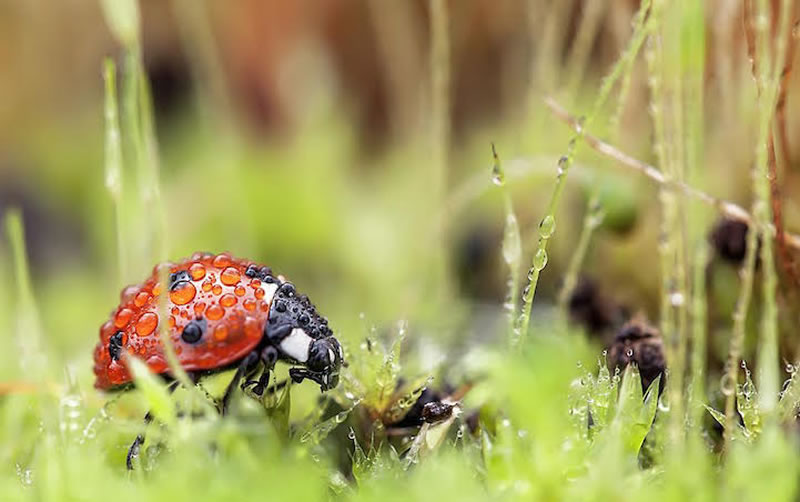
(747, 404)
(790, 399)
(153, 390)
(635, 415)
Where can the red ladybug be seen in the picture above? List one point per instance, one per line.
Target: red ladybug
(220, 312)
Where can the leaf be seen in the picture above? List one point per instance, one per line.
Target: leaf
(790, 399)
(280, 410)
(747, 404)
(635, 415)
(154, 391)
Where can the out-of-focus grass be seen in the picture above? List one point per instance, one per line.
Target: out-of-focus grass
(365, 238)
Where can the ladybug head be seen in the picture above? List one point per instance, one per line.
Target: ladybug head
(301, 335)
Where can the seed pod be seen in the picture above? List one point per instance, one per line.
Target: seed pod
(640, 343)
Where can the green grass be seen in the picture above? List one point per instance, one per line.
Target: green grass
(540, 418)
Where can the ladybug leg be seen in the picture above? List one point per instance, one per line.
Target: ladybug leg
(269, 356)
(133, 451)
(245, 368)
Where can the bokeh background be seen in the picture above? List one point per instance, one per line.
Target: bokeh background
(308, 135)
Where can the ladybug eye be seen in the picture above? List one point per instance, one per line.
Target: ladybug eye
(193, 331)
(115, 345)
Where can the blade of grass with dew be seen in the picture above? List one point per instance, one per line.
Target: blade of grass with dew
(512, 247)
(33, 360)
(155, 393)
(547, 224)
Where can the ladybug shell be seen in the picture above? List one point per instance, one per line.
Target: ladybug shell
(219, 294)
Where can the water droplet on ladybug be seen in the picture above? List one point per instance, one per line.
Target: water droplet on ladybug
(239, 291)
(260, 293)
(222, 260)
(128, 294)
(199, 307)
(230, 276)
(221, 332)
(182, 293)
(197, 271)
(215, 312)
(146, 324)
(141, 298)
(207, 285)
(123, 317)
(217, 290)
(249, 304)
(228, 300)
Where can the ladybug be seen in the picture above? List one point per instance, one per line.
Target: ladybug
(221, 312)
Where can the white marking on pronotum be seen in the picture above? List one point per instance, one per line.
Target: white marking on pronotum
(269, 292)
(331, 355)
(296, 345)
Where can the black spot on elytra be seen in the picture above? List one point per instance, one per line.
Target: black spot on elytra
(193, 332)
(115, 345)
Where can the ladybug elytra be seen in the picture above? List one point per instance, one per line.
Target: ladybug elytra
(221, 312)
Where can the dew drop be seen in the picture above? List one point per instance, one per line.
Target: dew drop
(123, 317)
(497, 175)
(228, 300)
(217, 289)
(249, 304)
(146, 324)
(222, 260)
(230, 276)
(547, 226)
(182, 293)
(199, 307)
(141, 298)
(215, 312)
(239, 291)
(260, 293)
(221, 332)
(727, 385)
(540, 259)
(197, 271)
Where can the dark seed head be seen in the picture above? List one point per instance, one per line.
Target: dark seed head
(729, 238)
(193, 331)
(115, 345)
(436, 411)
(640, 343)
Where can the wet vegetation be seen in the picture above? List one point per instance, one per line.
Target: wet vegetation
(590, 296)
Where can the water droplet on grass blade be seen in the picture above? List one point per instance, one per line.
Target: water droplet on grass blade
(540, 259)
(547, 226)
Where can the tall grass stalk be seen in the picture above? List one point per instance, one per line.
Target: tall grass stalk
(593, 219)
(28, 330)
(547, 224)
(113, 166)
(698, 355)
(768, 82)
(512, 247)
